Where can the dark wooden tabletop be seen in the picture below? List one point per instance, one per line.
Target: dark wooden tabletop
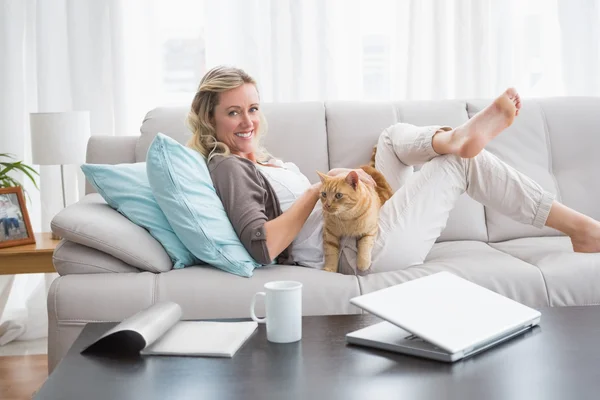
(560, 359)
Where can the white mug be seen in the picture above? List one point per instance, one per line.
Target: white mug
(283, 305)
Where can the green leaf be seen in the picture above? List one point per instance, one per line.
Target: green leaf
(18, 166)
(7, 181)
(31, 177)
(7, 169)
(31, 169)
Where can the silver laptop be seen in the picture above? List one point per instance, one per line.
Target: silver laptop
(442, 317)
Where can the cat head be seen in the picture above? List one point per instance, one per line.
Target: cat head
(340, 193)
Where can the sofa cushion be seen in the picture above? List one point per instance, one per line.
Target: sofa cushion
(125, 188)
(477, 262)
(93, 223)
(570, 278)
(573, 125)
(74, 258)
(323, 293)
(183, 188)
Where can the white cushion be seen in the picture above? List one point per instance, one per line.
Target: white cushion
(571, 278)
(93, 223)
(573, 126)
(477, 262)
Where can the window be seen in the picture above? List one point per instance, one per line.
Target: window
(182, 49)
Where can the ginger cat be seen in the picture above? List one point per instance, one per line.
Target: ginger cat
(351, 208)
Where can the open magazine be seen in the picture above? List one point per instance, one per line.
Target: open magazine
(158, 330)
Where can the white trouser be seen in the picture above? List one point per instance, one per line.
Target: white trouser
(412, 220)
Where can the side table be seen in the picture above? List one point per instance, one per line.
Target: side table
(29, 258)
(25, 259)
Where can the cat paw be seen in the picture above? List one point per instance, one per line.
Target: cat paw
(330, 269)
(363, 264)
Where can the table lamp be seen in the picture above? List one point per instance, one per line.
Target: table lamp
(59, 138)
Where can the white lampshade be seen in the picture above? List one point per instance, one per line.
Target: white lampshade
(60, 137)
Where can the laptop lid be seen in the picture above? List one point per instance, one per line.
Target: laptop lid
(447, 311)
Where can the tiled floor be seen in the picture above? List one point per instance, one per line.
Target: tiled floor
(23, 348)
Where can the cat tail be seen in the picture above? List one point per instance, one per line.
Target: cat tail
(372, 162)
(383, 189)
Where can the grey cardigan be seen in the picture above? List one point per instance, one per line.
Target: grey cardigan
(249, 201)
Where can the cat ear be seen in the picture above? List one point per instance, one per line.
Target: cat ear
(352, 179)
(322, 176)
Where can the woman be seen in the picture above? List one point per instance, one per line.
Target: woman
(271, 204)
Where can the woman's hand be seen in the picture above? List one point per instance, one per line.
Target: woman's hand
(315, 189)
(362, 175)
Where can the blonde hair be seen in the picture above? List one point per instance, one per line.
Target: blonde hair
(204, 139)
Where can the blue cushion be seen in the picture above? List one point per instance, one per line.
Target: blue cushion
(125, 188)
(182, 186)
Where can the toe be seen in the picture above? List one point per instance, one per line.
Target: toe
(512, 93)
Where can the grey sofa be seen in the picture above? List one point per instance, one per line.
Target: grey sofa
(123, 270)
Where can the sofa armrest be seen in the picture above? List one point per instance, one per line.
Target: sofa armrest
(110, 150)
(93, 223)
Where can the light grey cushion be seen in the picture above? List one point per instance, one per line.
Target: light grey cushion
(573, 126)
(477, 262)
(525, 147)
(298, 134)
(323, 293)
(73, 258)
(571, 278)
(353, 129)
(169, 121)
(303, 142)
(93, 223)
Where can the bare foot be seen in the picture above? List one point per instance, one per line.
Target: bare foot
(587, 239)
(470, 138)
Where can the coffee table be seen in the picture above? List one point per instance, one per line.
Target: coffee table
(560, 359)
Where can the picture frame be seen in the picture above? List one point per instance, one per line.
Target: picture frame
(15, 225)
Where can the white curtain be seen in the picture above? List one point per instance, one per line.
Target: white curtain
(120, 58)
(63, 55)
(407, 49)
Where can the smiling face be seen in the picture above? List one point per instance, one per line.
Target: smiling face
(237, 119)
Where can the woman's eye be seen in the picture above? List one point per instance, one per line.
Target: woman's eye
(254, 109)
(339, 195)
(233, 113)
(324, 194)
